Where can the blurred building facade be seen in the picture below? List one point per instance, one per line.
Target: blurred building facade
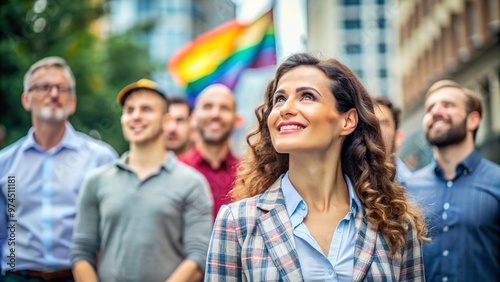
(449, 39)
(172, 24)
(361, 35)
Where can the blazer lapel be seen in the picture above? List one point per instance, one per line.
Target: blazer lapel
(277, 233)
(364, 249)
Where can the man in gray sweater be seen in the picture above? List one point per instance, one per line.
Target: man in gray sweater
(148, 215)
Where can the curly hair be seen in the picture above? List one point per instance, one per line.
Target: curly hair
(362, 154)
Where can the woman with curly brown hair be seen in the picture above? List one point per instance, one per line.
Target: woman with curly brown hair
(315, 199)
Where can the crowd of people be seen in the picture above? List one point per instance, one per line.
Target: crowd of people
(319, 195)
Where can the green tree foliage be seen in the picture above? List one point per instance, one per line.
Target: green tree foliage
(31, 30)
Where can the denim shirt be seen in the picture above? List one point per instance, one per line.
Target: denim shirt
(463, 215)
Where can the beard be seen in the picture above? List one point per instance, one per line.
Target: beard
(50, 115)
(215, 140)
(454, 135)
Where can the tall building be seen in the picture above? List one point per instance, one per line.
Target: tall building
(360, 34)
(450, 39)
(173, 23)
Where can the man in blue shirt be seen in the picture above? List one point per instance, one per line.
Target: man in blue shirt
(459, 191)
(40, 178)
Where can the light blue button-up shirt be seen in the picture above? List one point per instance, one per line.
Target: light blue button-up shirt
(38, 197)
(315, 266)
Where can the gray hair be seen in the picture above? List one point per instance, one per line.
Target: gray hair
(49, 62)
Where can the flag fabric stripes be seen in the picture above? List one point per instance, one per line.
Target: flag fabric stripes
(223, 53)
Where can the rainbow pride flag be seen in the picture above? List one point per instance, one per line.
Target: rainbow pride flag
(223, 53)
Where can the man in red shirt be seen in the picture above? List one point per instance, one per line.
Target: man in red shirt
(215, 117)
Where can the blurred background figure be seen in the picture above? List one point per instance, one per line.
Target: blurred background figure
(389, 117)
(148, 215)
(459, 191)
(216, 118)
(49, 165)
(179, 130)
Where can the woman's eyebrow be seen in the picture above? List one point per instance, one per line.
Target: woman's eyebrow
(308, 88)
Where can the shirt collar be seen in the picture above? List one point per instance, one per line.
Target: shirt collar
(293, 198)
(69, 140)
(168, 164)
(469, 164)
(228, 161)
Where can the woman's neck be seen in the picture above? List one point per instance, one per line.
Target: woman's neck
(319, 180)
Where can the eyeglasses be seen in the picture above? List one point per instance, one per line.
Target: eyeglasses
(46, 88)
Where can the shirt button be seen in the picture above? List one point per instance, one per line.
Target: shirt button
(465, 172)
(330, 272)
(444, 216)
(449, 183)
(446, 206)
(446, 228)
(445, 278)
(445, 253)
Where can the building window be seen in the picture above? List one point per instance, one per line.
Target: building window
(352, 2)
(352, 24)
(381, 23)
(353, 48)
(382, 73)
(382, 48)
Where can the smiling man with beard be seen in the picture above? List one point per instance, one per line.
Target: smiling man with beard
(215, 116)
(459, 191)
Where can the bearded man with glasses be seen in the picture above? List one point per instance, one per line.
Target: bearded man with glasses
(40, 178)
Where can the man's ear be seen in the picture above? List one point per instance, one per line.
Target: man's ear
(192, 121)
(73, 104)
(473, 120)
(238, 122)
(350, 122)
(165, 120)
(399, 139)
(26, 101)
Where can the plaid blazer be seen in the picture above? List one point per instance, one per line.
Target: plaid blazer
(253, 240)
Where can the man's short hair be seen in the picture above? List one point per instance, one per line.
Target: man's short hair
(395, 111)
(473, 102)
(179, 100)
(49, 62)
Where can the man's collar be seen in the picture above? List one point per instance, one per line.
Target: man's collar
(168, 164)
(197, 158)
(69, 141)
(469, 164)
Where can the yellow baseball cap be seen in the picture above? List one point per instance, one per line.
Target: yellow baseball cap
(140, 84)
